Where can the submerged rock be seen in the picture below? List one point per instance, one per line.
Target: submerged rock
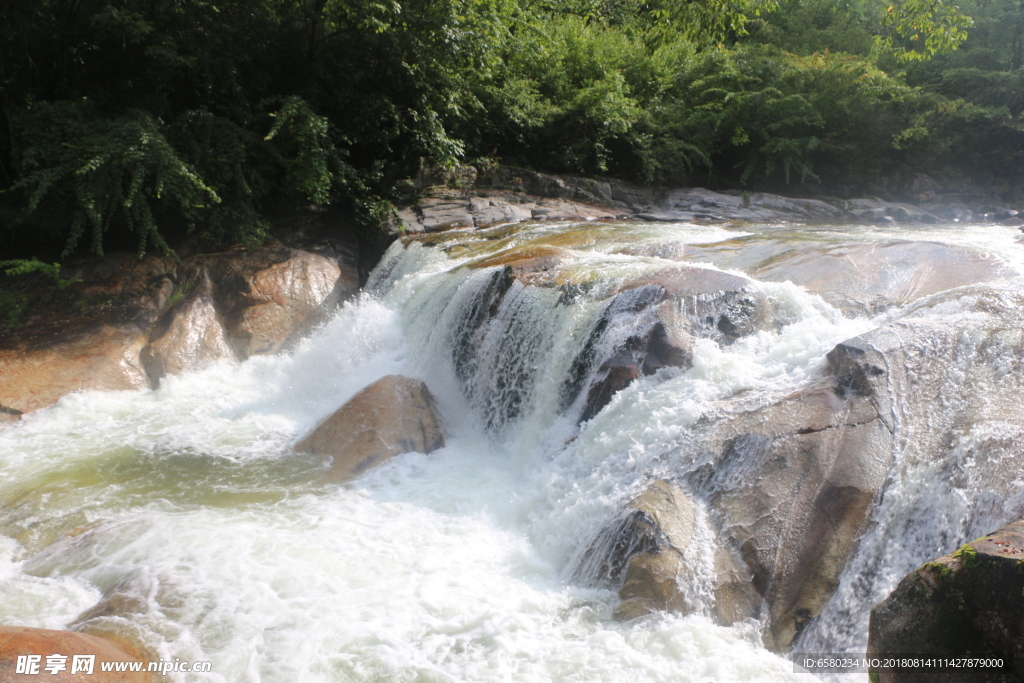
(394, 415)
(18, 641)
(968, 603)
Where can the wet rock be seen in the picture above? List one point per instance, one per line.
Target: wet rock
(651, 323)
(189, 336)
(859, 278)
(268, 297)
(393, 415)
(712, 303)
(659, 528)
(531, 265)
(967, 603)
(650, 553)
(17, 641)
(792, 489)
(9, 414)
(104, 358)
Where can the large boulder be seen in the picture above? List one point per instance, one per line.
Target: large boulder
(58, 649)
(104, 358)
(189, 336)
(790, 483)
(267, 297)
(394, 415)
(968, 603)
(652, 551)
(96, 344)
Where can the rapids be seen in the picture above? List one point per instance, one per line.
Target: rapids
(470, 564)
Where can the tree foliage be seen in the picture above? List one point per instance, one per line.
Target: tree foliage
(146, 121)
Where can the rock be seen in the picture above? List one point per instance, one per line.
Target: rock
(637, 334)
(967, 603)
(865, 278)
(270, 296)
(792, 487)
(714, 304)
(18, 641)
(9, 414)
(659, 527)
(650, 552)
(393, 415)
(531, 265)
(877, 210)
(104, 358)
(189, 336)
(686, 204)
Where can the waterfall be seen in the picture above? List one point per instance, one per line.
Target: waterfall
(180, 518)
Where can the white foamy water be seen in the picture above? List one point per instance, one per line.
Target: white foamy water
(461, 565)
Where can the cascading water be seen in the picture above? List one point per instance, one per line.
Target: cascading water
(180, 518)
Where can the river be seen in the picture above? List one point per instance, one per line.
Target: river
(220, 544)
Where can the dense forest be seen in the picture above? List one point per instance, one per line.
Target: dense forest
(139, 122)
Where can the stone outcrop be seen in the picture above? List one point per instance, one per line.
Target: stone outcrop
(450, 210)
(189, 336)
(700, 204)
(507, 194)
(18, 641)
(649, 552)
(146, 318)
(967, 603)
(267, 296)
(789, 486)
(863, 278)
(104, 358)
(394, 415)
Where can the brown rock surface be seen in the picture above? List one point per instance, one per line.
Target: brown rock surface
(189, 336)
(659, 528)
(106, 359)
(393, 415)
(17, 640)
(269, 296)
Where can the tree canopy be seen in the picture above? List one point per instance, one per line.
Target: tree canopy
(149, 120)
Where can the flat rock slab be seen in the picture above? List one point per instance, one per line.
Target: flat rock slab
(865, 278)
(105, 359)
(394, 415)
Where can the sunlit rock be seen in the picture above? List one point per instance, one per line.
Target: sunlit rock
(189, 336)
(269, 296)
(94, 346)
(861, 278)
(103, 358)
(650, 554)
(394, 415)
(18, 641)
(968, 603)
